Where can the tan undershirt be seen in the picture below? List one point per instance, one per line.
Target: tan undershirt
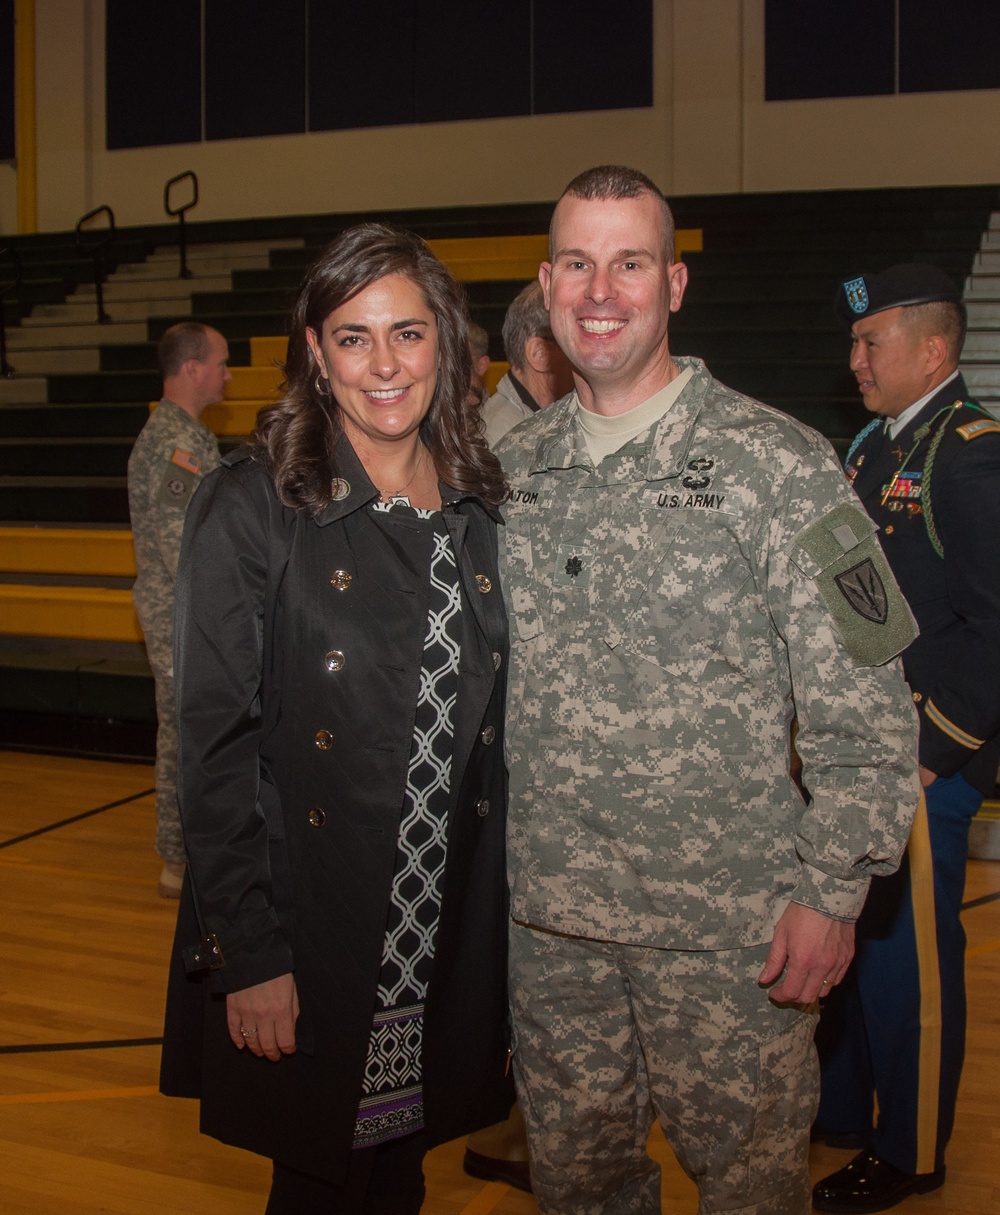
(604, 436)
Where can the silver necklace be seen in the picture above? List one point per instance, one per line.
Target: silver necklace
(387, 497)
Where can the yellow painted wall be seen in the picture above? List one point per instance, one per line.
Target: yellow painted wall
(709, 131)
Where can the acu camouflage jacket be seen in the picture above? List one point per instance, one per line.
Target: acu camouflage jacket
(671, 611)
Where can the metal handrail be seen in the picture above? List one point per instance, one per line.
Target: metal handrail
(179, 212)
(5, 288)
(97, 249)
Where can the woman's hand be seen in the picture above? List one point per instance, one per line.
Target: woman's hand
(263, 1017)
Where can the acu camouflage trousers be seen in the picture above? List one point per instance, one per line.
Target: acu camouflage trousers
(169, 834)
(608, 1036)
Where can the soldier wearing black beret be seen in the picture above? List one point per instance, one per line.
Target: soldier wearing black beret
(927, 469)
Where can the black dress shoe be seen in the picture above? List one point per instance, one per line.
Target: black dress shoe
(870, 1184)
(491, 1168)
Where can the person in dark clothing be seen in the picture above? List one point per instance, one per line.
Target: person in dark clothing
(927, 469)
(338, 991)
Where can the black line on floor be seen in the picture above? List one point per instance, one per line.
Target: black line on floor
(30, 835)
(984, 898)
(36, 1048)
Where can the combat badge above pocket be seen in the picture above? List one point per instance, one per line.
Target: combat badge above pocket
(842, 556)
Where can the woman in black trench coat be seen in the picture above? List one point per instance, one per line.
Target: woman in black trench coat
(337, 995)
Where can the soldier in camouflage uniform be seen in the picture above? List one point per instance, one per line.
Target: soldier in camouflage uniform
(686, 570)
(172, 453)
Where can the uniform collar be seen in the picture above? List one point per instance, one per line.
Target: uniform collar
(896, 426)
(561, 444)
(952, 390)
(195, 424)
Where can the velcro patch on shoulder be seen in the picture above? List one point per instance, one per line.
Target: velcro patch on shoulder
(176, 487)
(982, 426)
(841, 554)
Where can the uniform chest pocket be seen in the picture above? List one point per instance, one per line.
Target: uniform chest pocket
(693, 602)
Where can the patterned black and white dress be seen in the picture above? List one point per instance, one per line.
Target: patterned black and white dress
(392, 1097)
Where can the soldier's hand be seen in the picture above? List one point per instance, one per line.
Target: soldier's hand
(814, 952)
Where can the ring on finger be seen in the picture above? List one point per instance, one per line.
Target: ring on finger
(248, 1033)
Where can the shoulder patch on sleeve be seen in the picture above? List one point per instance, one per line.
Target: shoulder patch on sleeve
(841, 554)
(982, 426)
(176, 487)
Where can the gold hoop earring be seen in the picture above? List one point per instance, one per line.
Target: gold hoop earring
(318, 385)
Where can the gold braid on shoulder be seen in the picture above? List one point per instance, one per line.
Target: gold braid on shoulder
(925, 493)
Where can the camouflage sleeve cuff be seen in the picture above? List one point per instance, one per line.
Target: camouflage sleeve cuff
(838, 898)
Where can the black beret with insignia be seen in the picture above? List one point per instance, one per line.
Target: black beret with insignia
(899, 286)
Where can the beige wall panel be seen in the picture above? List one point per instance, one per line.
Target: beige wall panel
(708, 96)
(8, 200)
(63, 111)
(917, 139)
(440, 164)
(446, 164)
(930, 139)
(709, 132)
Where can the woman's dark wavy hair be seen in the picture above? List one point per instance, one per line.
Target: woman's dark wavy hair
(296, 437)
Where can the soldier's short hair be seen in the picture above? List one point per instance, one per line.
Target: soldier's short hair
(616, 182)
(941, 318)
(188, 340)
(527, 317)
(479, 340)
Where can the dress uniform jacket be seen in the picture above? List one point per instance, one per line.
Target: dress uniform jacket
(299, 646)
(934, 489)
(953, 667)
(671, 609)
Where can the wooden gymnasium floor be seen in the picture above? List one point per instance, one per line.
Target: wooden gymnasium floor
(82, 966)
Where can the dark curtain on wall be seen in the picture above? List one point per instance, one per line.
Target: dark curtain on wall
(948, 46)
(592, 55)
(361, 73)
(274, 67)
(7, 140)
(829, 48)
(472, 60)
(255, 68)
(857, 48)
(153, 72)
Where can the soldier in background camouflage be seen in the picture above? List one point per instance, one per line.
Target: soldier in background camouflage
(172, 453)
(686, 570)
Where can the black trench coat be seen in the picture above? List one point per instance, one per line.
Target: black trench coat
(291, 778)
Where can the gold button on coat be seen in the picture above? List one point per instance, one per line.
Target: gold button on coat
(340, 580)
(483, 807)
(323, 740)
(484, 584)
(917, 697)
(317, 817)
(488, 735)
(888, 530)
(340, 489)
(335, 660)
